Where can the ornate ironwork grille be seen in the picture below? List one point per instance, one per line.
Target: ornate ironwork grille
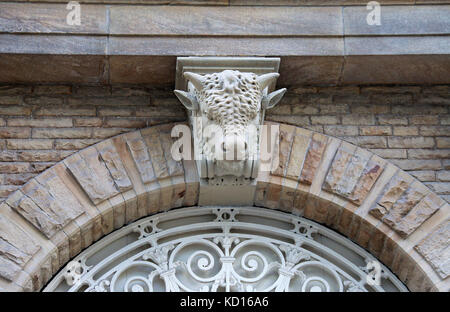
(224, 249)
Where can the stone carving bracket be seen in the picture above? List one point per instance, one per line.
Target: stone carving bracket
(226, 99)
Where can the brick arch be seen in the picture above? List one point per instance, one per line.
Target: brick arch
(103, 187)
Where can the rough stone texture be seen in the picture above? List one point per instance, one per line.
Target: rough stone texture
(370, 174)
(33, 33)
(42, 218)
(141, 158)
(316, 149)
(337, 170)
(392, 193)
(286, 136)
(16, 248)
(155, 150)
(297, 156)
(161, 20)
(404, 206)
(418, 214)
(123, 161)
(88, 169)
(435, 249)
(112, 160)
(94, 174)
(46, 132)
(248, 2)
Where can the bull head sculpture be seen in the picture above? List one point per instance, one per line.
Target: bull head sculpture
(225, 111)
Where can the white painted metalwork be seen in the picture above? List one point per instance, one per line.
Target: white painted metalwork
(224, 249)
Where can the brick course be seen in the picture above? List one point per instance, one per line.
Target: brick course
(42, 124)
(407, 125)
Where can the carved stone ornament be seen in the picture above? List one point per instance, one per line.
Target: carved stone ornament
(226, 109)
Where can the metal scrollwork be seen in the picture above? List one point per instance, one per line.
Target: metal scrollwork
(226, 249)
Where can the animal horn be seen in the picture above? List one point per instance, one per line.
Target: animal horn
(196, 79)
(266, 79)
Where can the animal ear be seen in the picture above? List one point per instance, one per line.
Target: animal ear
(196, 79)
(189, 101)
(273, 98)
(266, 79)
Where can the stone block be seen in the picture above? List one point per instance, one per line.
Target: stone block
(51, 18)
(195, 21)
(88, 168)
(114, 164)
(316, 149)
(418, 214)
(16, 248)
(286, 137)
(434, 248)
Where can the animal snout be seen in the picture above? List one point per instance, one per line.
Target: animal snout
(234, 147)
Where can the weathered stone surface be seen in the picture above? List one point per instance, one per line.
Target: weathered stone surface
(410, 142)
(186, 20)
(16, 248)
(141, 158)
(403, 205)
(87, 168)
(396, 187)
(435, 249)
(298, 153)
(429, 20)
(273, 193)
(50, 18)
(286, 137)
(157, 70)
(316, 149)
(115, 166)
(418, 214)
(9, 269)
(378, 211)
(152, 140)
(14, 132)
(56, 210)
(43, 44)
(29, 144)
(26, 207)
(304, 70)
(394, 69)
(395, 45)
(52, 68)
(192, 183)
(416, 164)
(352, 174)
(59, 192)
(369, 176)
(175, 167)
(337, 168)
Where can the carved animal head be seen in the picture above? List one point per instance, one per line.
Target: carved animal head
(229, 101)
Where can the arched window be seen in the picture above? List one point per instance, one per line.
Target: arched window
(224, 249)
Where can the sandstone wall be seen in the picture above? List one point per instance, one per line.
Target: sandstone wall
(42, 124)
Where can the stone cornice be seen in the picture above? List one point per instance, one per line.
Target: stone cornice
(250, 2)
(328, 45)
